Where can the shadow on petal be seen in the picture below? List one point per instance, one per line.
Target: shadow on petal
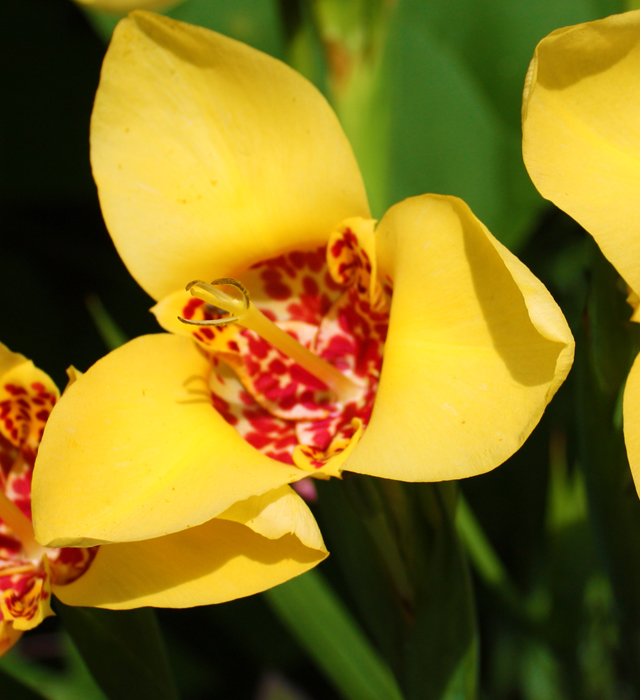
(211, 563)
(574, 53)
(530, 358)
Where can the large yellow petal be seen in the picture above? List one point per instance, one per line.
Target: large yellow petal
(581, 129)
(135, 450)
(476, 348)
(212, 563)
(631, 414)
(210, 156)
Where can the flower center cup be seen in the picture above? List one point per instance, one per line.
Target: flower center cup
(296, 367)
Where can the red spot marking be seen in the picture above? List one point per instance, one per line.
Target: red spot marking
(15, 390)
(71, 555)
(223, 408)
(189, 309)
(277, 366)
(339, 346)
(286, 403)
(350, 237)
(269, 314)
(299, 374)
(265, 425)
(42, 415)
(38, 387)
(257, 346)
(288, 441)
(252, 366)
(232, 345)
(310, 286)
(297, 259)
(22, 486)
(337, 247)
(278, 291)
(269, 274)
(254, 412)
(10, 543)
(267, 385)
(246, 399)
(316, 260)
(257, 440)
(25, 505)
(284, 457)
(330, 282)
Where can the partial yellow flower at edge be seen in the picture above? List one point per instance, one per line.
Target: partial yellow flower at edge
(581, 145)
(28, 572)
(581, 131)
(424, 350)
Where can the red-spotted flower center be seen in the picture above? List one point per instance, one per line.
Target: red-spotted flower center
(296, 365)
(27, 570)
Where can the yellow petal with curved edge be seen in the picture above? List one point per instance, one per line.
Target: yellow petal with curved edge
(581, 131)
(9, 360)
(210, 156)
(276, 513)
(212, 563)
(631, 416)
(134, 450)
(476, 348)
(18, 370)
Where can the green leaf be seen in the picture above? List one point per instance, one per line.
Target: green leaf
(110, 332)
(434, 106)
(123, 649)
(604, 350)
(255, 22)
(73, 682)
(407, 574)
(323, 625)
(13, 689)
(442, 654)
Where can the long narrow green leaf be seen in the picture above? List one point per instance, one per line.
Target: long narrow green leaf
(123, 649)
(111, 333)
(331, 636)
(41, 682)
(13, 689)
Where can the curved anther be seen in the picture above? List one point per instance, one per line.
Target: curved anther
(235, 307)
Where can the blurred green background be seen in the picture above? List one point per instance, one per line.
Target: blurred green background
(429, 95)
